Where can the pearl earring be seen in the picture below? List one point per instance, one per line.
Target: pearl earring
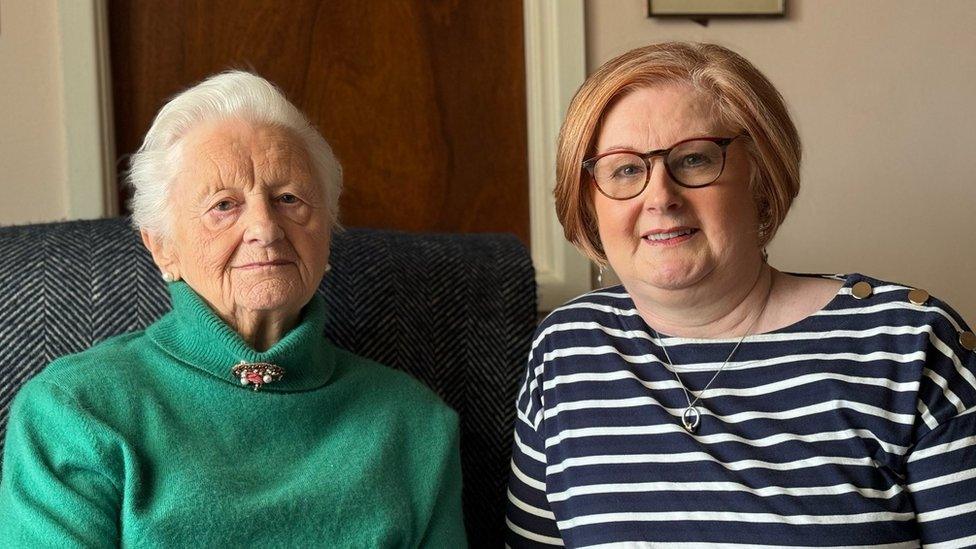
(328, 268)
(599, 276)
(168, 277)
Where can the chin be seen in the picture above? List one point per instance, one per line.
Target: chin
(678, 276)
(272, 295)
(269, 303)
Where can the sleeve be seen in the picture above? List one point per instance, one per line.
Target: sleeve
(446, 525)
(941, 465)
(55, 490)
(529, 520)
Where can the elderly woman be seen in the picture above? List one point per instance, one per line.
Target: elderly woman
(231, 421)
(712, 400)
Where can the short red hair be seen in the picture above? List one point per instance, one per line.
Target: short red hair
(745, 99)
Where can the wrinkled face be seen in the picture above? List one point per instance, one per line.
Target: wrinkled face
(671, 237)
(251, 228)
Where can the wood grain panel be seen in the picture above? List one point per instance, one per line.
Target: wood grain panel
(423, 101)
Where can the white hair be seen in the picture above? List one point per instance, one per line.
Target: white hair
(228, 95)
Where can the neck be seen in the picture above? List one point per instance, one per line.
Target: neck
(718, 307)
(261, 330)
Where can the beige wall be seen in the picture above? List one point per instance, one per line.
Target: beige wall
(884, 95)
(32, 150)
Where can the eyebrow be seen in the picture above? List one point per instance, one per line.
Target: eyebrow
(205, 195)
(208, 186)
(618, 147)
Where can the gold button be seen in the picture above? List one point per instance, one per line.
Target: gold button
(861, 290)
(967, 340)
(918, 297)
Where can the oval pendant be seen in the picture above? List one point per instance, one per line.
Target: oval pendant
(690, 419)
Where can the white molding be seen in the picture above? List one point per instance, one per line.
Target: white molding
(89, 136)
(555, 66)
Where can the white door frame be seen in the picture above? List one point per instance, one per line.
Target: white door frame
(87, 94)
(555, 66)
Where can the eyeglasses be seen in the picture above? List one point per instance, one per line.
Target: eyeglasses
(692, 163)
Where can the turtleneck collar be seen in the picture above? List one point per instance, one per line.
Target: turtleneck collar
(193, 334)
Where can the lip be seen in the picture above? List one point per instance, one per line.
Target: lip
(668, 230)
(670, 241)
(263, 264)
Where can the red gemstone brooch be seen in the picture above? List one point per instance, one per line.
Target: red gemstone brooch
(256, 374)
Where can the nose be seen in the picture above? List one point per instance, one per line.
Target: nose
(262, 226)
(662, 194)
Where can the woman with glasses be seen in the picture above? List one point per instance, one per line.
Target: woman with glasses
(712, 400)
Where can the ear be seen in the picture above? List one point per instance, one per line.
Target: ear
(162, 253)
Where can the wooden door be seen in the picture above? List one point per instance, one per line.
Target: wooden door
(423, 101)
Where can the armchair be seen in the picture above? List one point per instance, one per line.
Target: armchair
(455, 311)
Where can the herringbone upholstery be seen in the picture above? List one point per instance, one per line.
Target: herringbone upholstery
(456, 311)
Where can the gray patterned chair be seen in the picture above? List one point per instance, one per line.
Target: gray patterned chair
(456, 311)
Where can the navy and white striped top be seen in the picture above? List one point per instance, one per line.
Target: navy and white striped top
(852, 427)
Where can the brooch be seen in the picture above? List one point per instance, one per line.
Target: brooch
(257, 374)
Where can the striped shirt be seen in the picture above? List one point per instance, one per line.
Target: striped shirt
(854, 427)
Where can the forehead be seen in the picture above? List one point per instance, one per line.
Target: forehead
(657, 117)
(235, 148)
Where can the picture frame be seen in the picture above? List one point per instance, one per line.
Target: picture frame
(703, 9)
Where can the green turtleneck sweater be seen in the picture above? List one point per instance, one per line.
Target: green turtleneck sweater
(148, 440)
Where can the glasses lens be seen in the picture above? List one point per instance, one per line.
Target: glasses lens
(696, 163)
(620, 175)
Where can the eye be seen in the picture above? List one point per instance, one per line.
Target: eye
(288, 198)
(695, 160)
(223, 206)
(628, 170)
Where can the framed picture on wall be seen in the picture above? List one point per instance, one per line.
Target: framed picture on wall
(716, 8)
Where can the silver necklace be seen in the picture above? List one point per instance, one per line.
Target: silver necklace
(691, 417)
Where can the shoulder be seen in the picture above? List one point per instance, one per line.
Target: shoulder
(598, 311)
(598, 325)
(386, 388)
(896, 303)
(943, 343)
(612, 300)
(898, 310)
(73, 401)
(105, 365)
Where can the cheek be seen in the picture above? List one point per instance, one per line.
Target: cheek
(615, 220)
(733, 220)
(299, 215)
(741, 209)
(735, 204)
(216, 254)
(211, 251)
(311, 241)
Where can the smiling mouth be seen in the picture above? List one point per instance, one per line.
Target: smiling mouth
(671, 237)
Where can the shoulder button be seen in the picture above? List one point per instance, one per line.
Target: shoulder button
(918, 296)
(861, 290)
(967, 340)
